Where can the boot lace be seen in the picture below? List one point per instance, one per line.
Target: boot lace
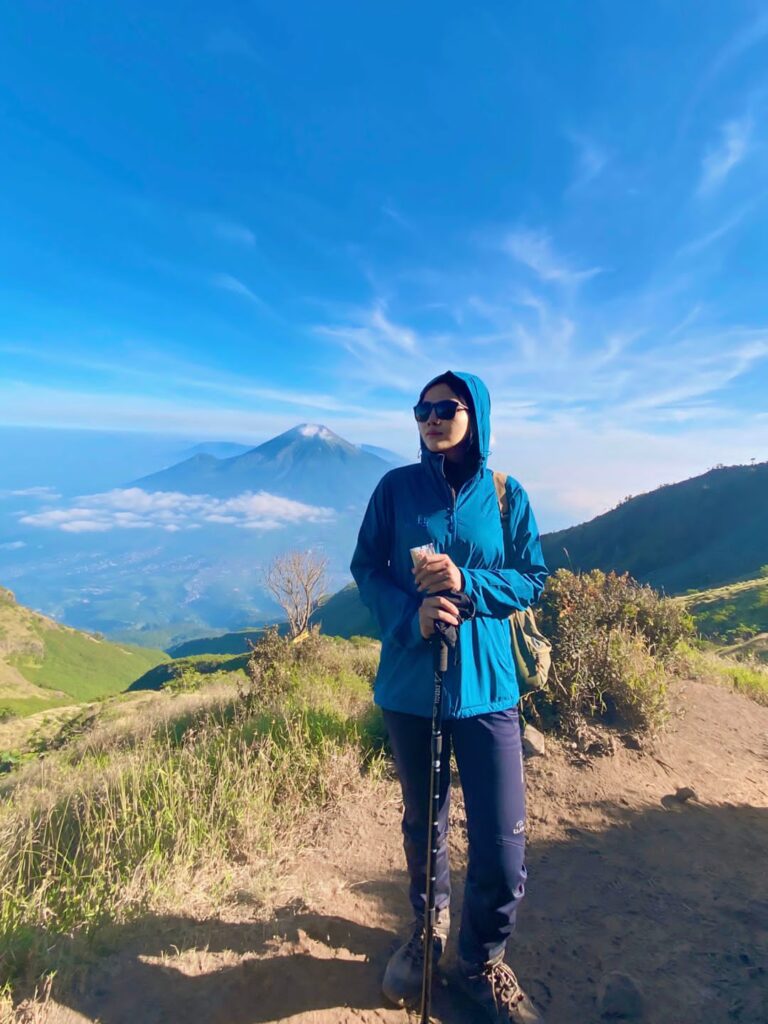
(415, 947)
(504, 985)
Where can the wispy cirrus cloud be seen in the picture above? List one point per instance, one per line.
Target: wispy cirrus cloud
(223, 228)
(704, 241)
(230, 231)
(535, 250)
(132, 508)
(248, 412)
(752, 34)
(698, 367)
(733, 147)
(393, 214)
(154, 367)
(230, 283)
(385, 351)
(591, 159)
(403, 338)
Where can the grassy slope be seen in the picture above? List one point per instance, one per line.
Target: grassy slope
(206, 664)
(720, 667)
(752, 650)
(735, 617)
(60, 665)
(732, 612)
(86, 668)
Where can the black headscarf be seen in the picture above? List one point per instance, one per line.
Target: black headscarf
(457, 473)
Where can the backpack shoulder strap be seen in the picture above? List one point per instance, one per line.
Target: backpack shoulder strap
(500, 483)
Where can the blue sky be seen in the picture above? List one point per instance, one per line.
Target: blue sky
(221, 220)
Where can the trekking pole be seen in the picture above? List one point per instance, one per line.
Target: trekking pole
(440, 662)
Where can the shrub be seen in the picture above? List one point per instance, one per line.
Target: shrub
(611, 638)
(275, 661)
(634, 681)
(268, 669)
(184, 680)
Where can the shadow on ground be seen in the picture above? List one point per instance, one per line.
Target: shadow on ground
(676, 896)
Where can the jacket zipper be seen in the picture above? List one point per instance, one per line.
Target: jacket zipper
(452, 507)
(451, 510)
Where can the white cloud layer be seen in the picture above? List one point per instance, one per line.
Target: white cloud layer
(132, 508)
(43, 493)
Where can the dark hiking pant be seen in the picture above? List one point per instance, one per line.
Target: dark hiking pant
(489, 756)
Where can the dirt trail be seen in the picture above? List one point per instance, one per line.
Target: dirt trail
(623, 876)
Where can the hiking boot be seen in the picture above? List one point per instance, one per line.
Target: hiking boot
(494, 987)
(405, 969)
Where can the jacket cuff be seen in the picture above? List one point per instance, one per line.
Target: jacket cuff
(466, 580)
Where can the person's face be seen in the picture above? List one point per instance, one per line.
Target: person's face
(444, 435)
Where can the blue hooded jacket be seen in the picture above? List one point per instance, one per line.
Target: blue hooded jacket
(503, 569)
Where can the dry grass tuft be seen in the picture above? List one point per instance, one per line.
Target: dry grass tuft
(129, 810)
(747, 677)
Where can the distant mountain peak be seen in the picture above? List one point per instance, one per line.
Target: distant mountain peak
(315, 430)
(308, 463)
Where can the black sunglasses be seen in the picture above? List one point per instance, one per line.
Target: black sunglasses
(445, 409)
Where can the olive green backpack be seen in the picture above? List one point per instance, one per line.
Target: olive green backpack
(531, 651)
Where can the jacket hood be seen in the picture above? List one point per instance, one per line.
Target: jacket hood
(480, 410)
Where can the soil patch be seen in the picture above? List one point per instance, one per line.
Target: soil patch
(627, 873)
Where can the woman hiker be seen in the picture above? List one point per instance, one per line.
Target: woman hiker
(449, 499)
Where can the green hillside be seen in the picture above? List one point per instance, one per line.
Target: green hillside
(731, 614)
(344, 614)
(734, 616)
(226, 643)
(205, 664)
(44, 664)
(704, 532)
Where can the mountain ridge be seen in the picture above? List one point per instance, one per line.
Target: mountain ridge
(308, 463)
(639, 536)
(697, 533)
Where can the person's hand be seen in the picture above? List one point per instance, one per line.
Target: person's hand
(434, 608)
(437, 572)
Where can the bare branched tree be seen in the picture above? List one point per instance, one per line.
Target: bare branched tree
(296, 580)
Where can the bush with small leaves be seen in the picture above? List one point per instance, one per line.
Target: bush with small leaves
(611, 637)
(268, 670)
